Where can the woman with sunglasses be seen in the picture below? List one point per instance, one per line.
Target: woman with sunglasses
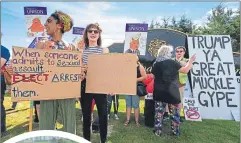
(92, 40)
(56, 25)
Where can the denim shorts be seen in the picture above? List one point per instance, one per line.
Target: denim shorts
(132, 101)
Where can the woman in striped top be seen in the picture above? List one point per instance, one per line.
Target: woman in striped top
(92, 40)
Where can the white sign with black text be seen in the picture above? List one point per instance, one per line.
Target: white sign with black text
(213, 76)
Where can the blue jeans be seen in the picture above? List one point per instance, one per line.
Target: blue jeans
(3, 112)
(132, 101)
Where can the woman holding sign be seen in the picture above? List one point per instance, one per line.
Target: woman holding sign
(166, 89)
(92, 39)
(56, 25)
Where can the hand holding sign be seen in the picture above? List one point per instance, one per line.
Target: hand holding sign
(84, 68)
(82, 76)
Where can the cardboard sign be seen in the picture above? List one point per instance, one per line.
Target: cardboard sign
(191, 109)
(112, 73)
(135, 38)
(213, 75)
(45, 74)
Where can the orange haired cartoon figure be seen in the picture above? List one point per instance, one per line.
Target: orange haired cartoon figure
(134, 44)
(36, 26)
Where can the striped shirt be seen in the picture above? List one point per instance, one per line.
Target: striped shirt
(91, 50)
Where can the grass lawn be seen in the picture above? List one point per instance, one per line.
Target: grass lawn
(207, 131)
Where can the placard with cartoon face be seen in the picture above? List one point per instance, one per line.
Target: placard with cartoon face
(135, 38)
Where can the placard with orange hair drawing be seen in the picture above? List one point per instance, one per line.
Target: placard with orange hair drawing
(35, 18)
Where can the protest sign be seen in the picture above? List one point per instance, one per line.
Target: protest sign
(41, 74)
(213, 75)
(78, 40)
(35, 17)
(135, 38)
(112, 73)
(191, 109)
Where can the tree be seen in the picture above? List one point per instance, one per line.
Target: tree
(185, 25)
(152, 24)
(174, 24)
(165, 22)
(223, 21)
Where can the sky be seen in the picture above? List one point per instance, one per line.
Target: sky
(112, 17)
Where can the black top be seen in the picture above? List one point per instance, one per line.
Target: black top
(138, 71)
(166, 87)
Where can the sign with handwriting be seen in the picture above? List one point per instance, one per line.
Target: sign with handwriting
(41, 74)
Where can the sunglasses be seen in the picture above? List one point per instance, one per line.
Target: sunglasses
(95, 31)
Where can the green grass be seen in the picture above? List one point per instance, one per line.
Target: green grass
(207, 131)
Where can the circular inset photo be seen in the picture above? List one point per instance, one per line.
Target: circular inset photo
(47, 136)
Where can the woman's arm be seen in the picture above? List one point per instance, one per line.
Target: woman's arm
(3, 61)
(143, 74)
(106, 50)
(40, 44)
(188, 66)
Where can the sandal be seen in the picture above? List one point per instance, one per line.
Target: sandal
(137, 124)
(127, 122)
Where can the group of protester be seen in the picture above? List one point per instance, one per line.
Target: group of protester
(166, 74)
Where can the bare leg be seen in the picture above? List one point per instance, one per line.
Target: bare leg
(136, 113)
(128, 115)
(38, 110)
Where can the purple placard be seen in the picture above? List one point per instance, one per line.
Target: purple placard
(78, 30)
(34, 10)
(34, 42)
(136, 27)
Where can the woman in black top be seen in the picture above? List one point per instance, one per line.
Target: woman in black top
(166, 90)
(132, 101)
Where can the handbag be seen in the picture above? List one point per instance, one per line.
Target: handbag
(141, 89)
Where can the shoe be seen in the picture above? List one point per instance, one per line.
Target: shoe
(176, 134)
(116, 117)
(157, 134)
(127, 123)
(138, 124)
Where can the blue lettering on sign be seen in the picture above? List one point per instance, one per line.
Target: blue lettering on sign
(63, 77)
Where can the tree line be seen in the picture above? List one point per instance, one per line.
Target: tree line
(221, 21)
